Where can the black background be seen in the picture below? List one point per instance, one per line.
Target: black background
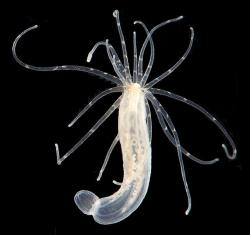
(41, 104)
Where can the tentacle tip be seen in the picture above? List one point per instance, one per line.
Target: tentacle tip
(57, 148)
(99, 176)
(116, 183)
(58, 154)
(71, 124)
(136, 22)
(115, 13)
(231, 157)
(187, 211)
(192, 33)
(89, 58)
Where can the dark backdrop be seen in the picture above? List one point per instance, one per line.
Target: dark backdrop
(40, 105)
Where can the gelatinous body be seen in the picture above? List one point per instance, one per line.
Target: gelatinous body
(136, 154)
